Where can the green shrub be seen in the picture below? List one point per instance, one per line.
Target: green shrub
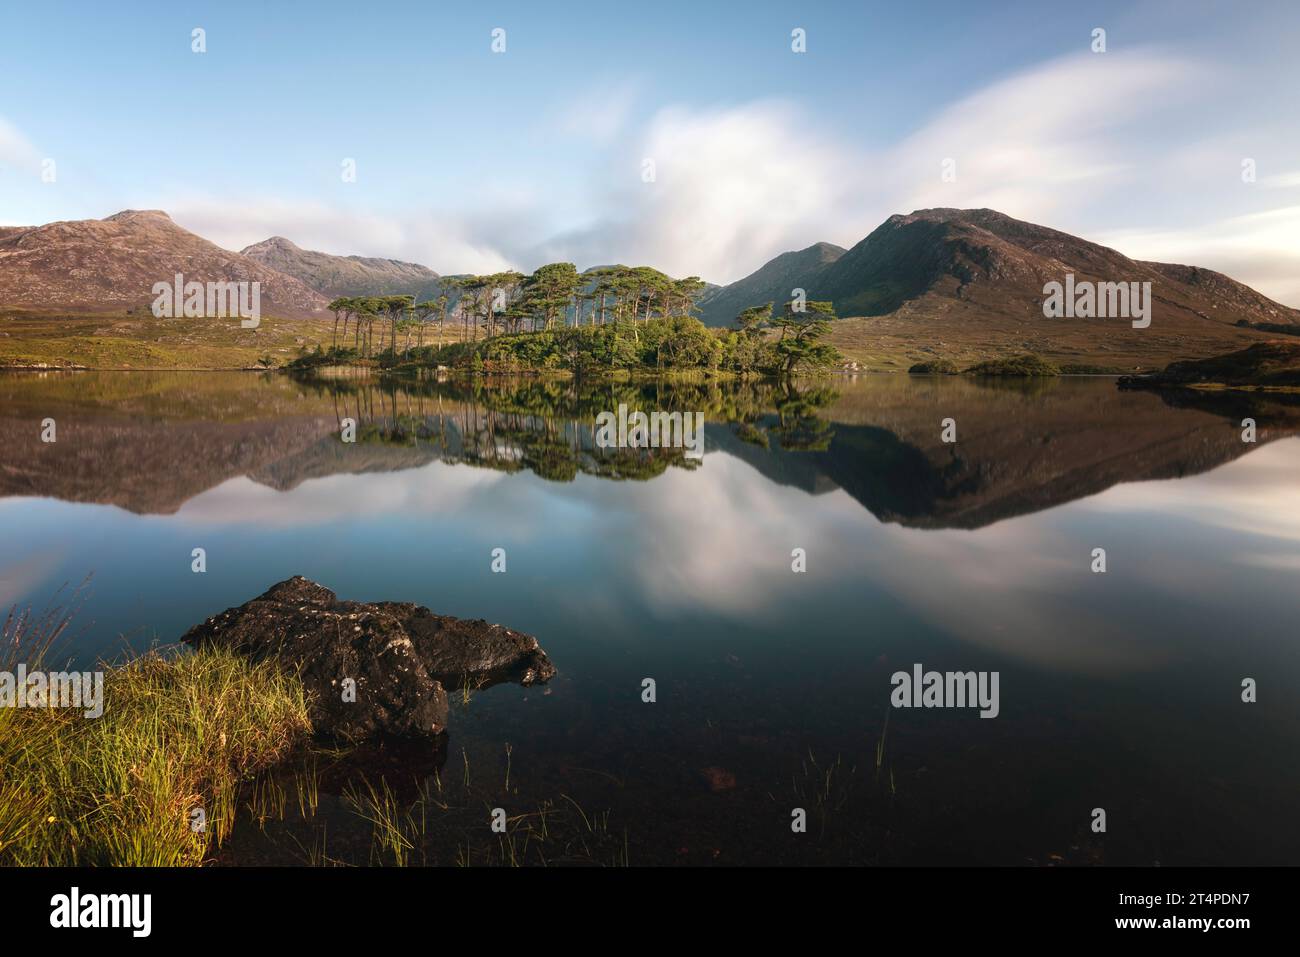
(1026, 365)
(935, 367)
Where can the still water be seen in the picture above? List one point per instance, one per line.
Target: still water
(1119, 691)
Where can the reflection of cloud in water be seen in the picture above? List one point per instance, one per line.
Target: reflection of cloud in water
(22, 577)
(721, 539)
(433, 488)
(1290, 563)
(723, 545)
(1018, 588)
(1008, 586)
(1257, 494)
(718, 541)
(1007, 589)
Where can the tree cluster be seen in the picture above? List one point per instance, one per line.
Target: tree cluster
(613, 317)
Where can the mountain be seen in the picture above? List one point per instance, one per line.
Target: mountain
(968, 283)
(111, 265)
(963, 285)
(959, 253)
(334, 276)
(720, 305)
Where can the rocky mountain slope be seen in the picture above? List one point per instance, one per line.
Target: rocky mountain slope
(334, 276)
(772, 283)
(970, 282)
(111, 265)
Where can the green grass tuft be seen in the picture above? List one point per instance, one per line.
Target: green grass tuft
(178, 733)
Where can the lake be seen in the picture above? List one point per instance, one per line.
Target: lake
(1119, 690)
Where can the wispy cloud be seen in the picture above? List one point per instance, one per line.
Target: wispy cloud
(1106, 146)
(16, 150)
(1259, 249)
(600, 113)
(735, 186)
(433, 240)
(1036, 145)
(728, 188)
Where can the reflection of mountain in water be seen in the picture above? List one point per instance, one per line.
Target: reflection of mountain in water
(149, 444)
(1021, 448)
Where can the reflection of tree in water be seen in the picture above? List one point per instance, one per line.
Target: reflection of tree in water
(799, 428)
(549, 427)
(789, 415)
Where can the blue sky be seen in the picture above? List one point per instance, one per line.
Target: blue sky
(469, 160)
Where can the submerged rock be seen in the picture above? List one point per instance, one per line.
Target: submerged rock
(402, 657)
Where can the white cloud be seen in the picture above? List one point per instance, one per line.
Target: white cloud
(738, 185)
(1282, 181)
(16, 150)
(732, 187)
(445, 244)
(1044, 140)
(601, 113)
(1260, 249)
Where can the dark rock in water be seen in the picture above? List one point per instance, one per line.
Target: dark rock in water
(402, 656)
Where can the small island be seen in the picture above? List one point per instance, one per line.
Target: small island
(639, 322)
(1271, 366)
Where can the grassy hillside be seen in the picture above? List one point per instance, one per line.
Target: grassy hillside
(137, 341)
(916, 333)
(925, 330)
